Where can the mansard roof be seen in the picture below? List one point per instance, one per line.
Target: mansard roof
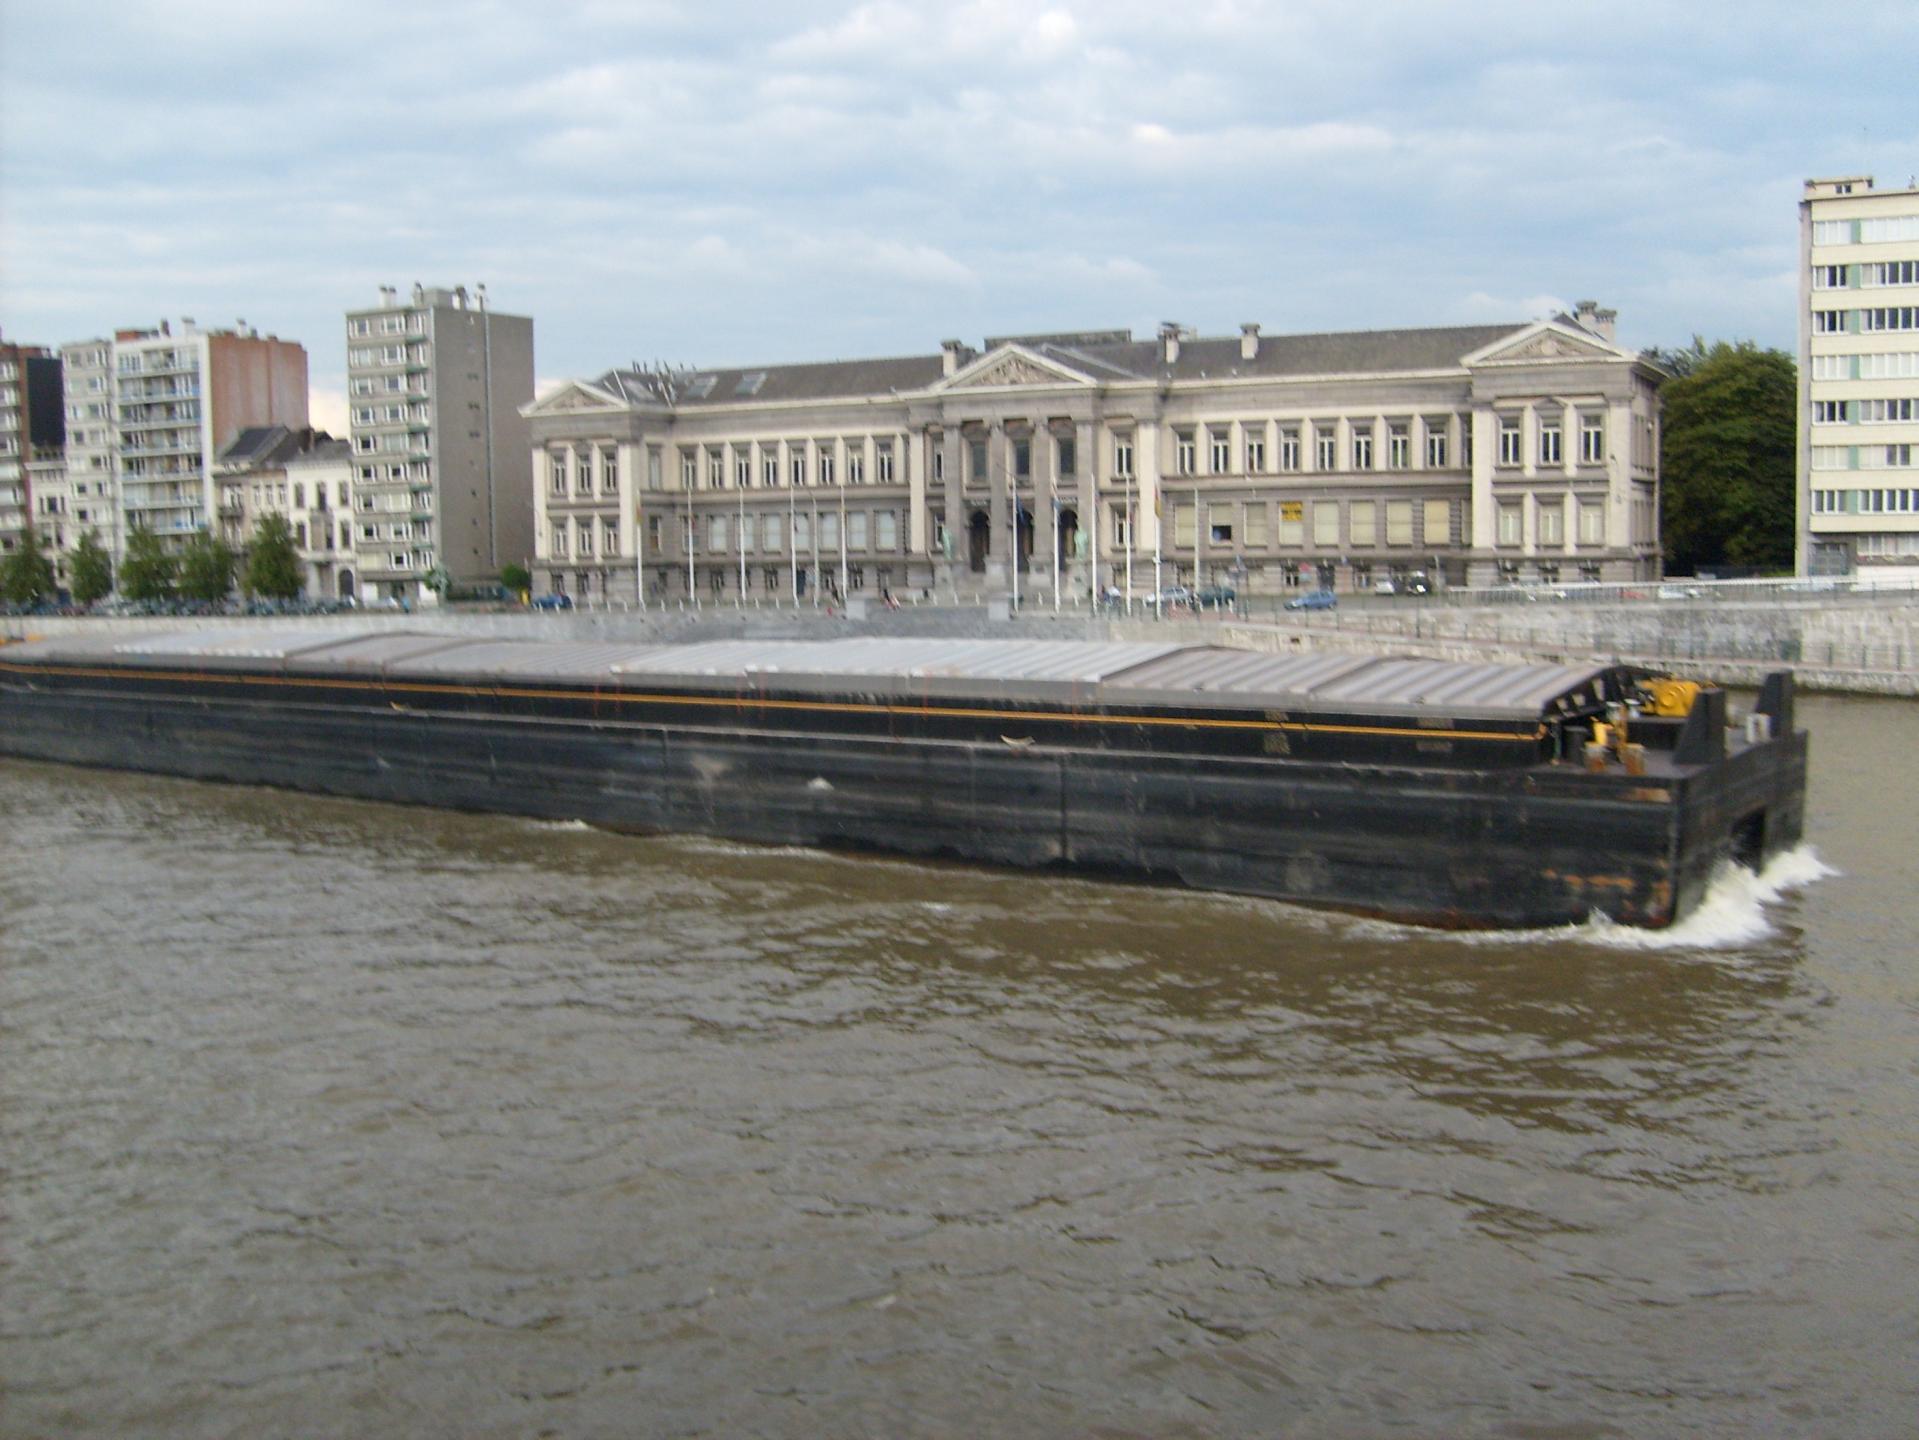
(257, 447)
(1101, 356)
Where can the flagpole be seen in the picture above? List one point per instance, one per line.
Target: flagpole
(1056, 555)
(793, 534)
(742, 540)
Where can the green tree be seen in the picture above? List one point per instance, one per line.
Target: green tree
(517, 578)
(273, 565)
(147, 572)
(92, 570)
(206, 568)
(26, 575)
(1726, 458)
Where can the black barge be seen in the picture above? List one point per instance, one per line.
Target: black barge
(1426, 791)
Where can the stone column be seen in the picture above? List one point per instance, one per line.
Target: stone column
(952, 463)
(999, 465)
(1146, 465)
(1045, 472)
(1485, 428)
(909, 454)
(1088, 486)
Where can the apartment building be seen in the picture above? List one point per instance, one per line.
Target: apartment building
(180, 397)
(305, 476)
(87, 492)
(435, 386)
(1061, 463)
(1858, 490)
(31, 427)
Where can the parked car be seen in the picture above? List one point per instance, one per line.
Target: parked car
(1385, 586)
(1216, 595)
(555, 601)
(1175, 595)
(1314, 600)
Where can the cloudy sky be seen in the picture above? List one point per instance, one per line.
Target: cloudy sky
(714, 183)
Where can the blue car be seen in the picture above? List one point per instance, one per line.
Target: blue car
(1314, 600)
(555, 601)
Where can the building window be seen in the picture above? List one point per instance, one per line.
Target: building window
(1832, 232)
(1550, 450)
(883, 459)
(1362, 447)
(1255, 452)
(1552, 522)
(976, 460)
(1399, 522)
(855, 466)
(1221, 446)
(1022, 459)
(825, 467)
(939, 465)
(1437, 521)
(1592, 440)
(830, 531)
(1828, 322)
(610, 538)
(796, 466)
(1326, 523)
(1592, 523)
(1509, 440)
(653, 533)
(1289, 449)
(1435, 444)
(559, 475)
(1185, 453)
(886, 530)
(1883, 272)
(654, 463)
(1884, 318)
(1509, 523)
(743, 470)
(1325, 447)
(1364, 521)
(1123, 458)
(769, 470)
(716, 533)
(689, 470)
(1399, 448)
(1066, 455)
(1829, 277)
(1220, 520)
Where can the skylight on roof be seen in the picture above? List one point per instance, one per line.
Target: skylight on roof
(699, 387)
(750, 383)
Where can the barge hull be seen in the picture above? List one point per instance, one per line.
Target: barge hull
(1514, 847)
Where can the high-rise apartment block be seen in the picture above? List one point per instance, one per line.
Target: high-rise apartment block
(179, 400)
(443, 484)
(30, 428)
(1858, 491)
(89, 499)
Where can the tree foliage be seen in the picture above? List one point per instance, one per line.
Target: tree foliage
(26, 575)
(274, 568)
(92, 570)
(147, 572)
(1726, 457)
(517, 578)
(206, 568)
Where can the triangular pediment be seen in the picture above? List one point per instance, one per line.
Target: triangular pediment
(573, 398)
(1546, 342)
(1009, 367)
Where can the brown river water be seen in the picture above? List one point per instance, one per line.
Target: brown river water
(327, 1118)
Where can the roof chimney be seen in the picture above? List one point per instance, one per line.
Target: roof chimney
(1169, 341)
(1249, 340)
(950, 353)
(1600, 322)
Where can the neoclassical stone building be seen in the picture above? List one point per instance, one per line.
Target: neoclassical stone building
(1044, 464)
